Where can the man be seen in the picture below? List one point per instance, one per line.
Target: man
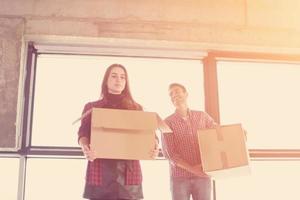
(181, 148)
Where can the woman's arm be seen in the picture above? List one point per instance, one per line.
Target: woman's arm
(85, 147)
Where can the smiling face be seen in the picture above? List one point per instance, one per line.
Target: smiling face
(178, 95)
(116, 81)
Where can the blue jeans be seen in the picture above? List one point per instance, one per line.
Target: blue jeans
(198, 188)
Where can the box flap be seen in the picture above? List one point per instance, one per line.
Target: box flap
(123, 119)
(244, 170)
(162, 126)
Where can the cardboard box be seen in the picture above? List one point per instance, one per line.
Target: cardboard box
(124, 134)
(223, 151)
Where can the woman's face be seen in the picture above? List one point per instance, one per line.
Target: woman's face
(116, 81)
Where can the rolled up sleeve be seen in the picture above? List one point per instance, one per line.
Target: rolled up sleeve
(85, 126)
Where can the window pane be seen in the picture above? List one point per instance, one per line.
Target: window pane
(9, 175)
(66, 178)
(156, 181)
(64, 83)
(265, 99)
(274, 180)
(50, 179)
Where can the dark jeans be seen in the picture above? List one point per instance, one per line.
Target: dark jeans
(198, 188)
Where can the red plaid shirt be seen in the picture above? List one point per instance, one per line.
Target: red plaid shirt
(183, 142)
(94, 170)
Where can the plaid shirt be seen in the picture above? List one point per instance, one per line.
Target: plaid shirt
(94, 172)
(183, 142)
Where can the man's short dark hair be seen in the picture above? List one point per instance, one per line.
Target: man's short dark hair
(177, 85)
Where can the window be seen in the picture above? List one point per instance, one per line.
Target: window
(50, 178)
(9, 177)
(263, 97)
(274, 180)
(251, 93)
(156, 179)
(64, 83)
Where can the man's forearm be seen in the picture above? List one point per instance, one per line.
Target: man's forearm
(195, 169)
(177, 160)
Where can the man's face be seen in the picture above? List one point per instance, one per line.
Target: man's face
(178, 95)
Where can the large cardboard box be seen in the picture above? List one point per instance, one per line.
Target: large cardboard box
(124, 134)
(223, 151)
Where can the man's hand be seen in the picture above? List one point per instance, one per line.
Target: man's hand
(197, 170)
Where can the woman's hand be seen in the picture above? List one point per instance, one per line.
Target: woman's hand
(154, 152)
(88, 153)
(85, 147)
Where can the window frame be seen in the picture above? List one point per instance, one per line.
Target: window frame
(212, 98)
(26, 149)
(33, 47)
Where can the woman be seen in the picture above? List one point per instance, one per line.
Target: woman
(111, 178)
